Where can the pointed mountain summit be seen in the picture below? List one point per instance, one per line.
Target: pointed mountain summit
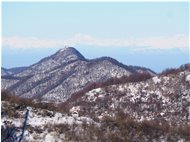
(62, 57)
(57, 77)
(67, 54)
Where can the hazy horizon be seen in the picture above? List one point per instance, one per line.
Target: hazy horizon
(150, 34)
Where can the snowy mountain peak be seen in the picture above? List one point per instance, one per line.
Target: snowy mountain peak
(57, 77)
(68, 54)
(66, 48)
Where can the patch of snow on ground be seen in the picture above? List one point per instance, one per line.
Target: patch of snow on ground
(38, 120)
(133, 89)
(156, 80)
(49, 138)
(121, 89)
(97, 90)
(187, 78)
(101, 96)
(166, 79)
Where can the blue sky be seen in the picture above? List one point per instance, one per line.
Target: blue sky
(150, 34)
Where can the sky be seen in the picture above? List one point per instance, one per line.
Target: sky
(150, 34)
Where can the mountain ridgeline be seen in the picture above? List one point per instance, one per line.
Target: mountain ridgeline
(57, 77)
(78, 99)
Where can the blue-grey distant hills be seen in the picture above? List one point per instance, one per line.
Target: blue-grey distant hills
(56, 77)
(11, 71)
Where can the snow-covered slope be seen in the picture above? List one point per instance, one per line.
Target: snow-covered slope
(156, 109)
(41, 123)
(56, 77)
(161, 98)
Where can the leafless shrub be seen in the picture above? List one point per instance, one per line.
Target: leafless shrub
(174, 71)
